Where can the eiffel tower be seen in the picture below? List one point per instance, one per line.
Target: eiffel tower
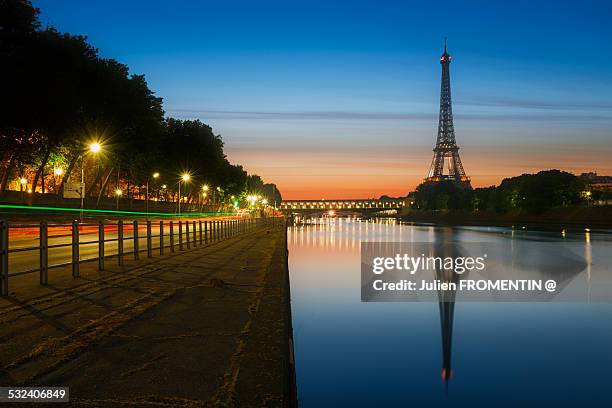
(446, 152)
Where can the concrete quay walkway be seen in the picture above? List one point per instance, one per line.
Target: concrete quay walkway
(208, 326)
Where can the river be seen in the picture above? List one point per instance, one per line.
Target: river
(464, 354)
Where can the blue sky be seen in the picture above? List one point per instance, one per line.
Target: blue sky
(341, 98)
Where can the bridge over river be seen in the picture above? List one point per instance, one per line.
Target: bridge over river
(344, 205)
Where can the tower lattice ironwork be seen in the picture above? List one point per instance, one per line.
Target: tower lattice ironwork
(446, 164)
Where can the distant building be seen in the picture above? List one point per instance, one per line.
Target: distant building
(598, 182)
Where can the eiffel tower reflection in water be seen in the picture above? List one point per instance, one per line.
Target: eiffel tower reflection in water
(446, 302)
(345, 234)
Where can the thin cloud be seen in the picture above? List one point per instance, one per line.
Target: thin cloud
(383, 116)
(534, 104)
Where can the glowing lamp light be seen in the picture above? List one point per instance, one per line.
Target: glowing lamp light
(95, 147)
(23, 181)
(264, 201)
(164, 186)
(205, 187)
(118, 192)
(186, 177)
(58, 171)
(155, 175)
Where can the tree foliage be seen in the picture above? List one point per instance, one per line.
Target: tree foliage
(59, 95)
(530, 193)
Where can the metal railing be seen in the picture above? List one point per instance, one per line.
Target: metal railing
(53, 241)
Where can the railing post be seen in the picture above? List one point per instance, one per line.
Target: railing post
(195, 239)
(4, 254)
(149, 242)
(214, 230)
(101, 246)
(75, 249)
(161, 237)
(44, 253)
(136, 241)
(201, 240)
(120, 242)
(171, 236)
(205, 232)
(187, 233)
(181, 235)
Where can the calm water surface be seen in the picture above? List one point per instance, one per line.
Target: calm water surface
(350, 353)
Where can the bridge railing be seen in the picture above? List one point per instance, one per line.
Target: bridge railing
(60, 245)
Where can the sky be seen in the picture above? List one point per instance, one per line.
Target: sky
(339, 99)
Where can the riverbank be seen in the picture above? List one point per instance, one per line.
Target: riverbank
(569, 218)
(208, 326)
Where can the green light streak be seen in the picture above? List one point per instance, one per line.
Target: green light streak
(115, 212)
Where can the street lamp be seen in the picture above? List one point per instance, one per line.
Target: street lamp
(93, 148)
(185, 178)
(22, 182)
(57, 172)
(118, 193)
(155, 176)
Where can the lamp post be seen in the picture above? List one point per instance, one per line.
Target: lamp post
(204, 194)
(155, 176)
(118, 193)
(57, 172)
(94, 148)
(185, 178)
